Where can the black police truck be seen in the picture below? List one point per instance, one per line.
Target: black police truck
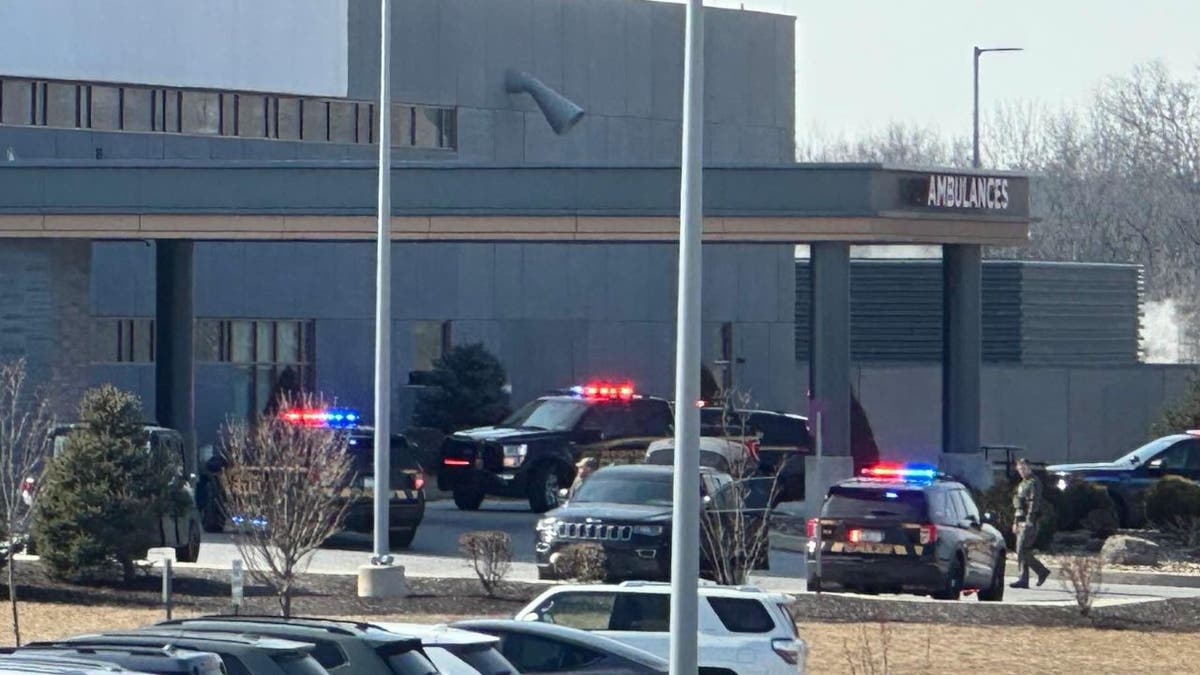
(533, 453)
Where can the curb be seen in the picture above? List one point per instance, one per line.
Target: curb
(1151, 579)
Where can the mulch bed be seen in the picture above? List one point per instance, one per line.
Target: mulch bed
(208, 591)
(197, 591)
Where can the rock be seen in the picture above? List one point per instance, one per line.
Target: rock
(1122, 549)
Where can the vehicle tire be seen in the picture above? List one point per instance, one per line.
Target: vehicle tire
(543, 489)
(814, 584)
(954, 581)
(212, 516)
(190, 552)
(401, 538)
(996, 592)
(468, 500)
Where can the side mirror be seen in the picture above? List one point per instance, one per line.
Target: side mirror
(1155, 464)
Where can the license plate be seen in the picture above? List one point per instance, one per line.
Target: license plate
(871, 536)
(868, 548)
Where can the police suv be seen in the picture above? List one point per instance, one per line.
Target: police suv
(533, 453)
(904, 530)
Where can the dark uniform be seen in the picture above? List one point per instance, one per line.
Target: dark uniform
(1027, 507)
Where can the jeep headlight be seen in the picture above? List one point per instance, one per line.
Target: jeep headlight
(1061, 484)
(546, 526)
(514, 455)
(648, 530)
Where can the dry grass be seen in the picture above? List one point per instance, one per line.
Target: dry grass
(996, 650)
(1001, 650)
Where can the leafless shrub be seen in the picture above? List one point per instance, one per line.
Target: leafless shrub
(1185, 529)
(490, 554)
(584, 563)
(1082, 575)
(25, 426)
(862, 658)
(287, 486)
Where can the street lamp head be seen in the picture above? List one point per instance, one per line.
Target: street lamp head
(980, 50)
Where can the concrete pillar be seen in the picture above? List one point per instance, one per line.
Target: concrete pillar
(829, 370)
(174, 371)
(962, 355)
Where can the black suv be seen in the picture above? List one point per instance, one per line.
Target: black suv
(406, 508)
(533, 453)
(782, 441)
(627, 510)
(1127, 477)
(904, 530)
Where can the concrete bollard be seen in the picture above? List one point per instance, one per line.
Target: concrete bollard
(382, 581)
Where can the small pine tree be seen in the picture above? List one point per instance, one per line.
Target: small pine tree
(467, 391)
(1181, 415)
(103, 494)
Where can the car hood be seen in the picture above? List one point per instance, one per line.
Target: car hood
(505, 434)
(610, 511)
(1089, 467)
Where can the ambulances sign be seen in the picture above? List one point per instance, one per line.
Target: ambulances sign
(946, 191)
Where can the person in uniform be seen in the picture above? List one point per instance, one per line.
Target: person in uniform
(585, 468)
(1027, 508)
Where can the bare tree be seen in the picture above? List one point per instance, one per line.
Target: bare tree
(288, 487)
(490, 555)
(25, 426)
(1082, 576)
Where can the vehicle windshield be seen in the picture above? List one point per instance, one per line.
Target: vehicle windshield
(1143, 454)
(552, 414)
(484, 658)
(411, 663)
(298, 664)
(624, 490)
(854, 502)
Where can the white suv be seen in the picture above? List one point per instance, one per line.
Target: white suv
(743, 630)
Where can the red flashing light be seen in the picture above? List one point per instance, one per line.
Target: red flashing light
(419, 481)
(928, 533)
(897, 472)
(456, 462)
(607, 390)
(855, 536)
(810, 527)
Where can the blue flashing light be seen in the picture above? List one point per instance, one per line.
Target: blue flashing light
(908, 472)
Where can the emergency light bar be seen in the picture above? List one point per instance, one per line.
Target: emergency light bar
(333, 418)
(910, 472)
(604, 390)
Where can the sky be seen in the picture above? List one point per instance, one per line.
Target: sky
(864, 63)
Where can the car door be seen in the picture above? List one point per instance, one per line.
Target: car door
(975, 540)
(1179, 459)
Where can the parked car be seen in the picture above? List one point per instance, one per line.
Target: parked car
(532, 454)
(242, 654)
(537, 647)
(743, 629)
(628, 509)
(406, 507)
(140, 659)
(28, 665)
(779, 442)
(456, 651)
(1128, 476)
(721, 454)
(180, 532)
(904, 530)
(339, 646)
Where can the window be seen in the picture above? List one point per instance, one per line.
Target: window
(850, 502)
(342, 119)
(252, 116)
(740, 615)
(16, 102)
(967, 506)
(287, 118)
(533, 654)
(270, 355)
(431, 340)
(585, 611)
(123, 340)
(137, 113)
(612, 420)
(1175, 458)
(171, 106)
(643, 612)
(314, 116)
(651, 418)
(402, 125)
(327, 653)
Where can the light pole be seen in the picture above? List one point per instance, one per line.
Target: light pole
(383, 298)
(975, 135)
(685, 533)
